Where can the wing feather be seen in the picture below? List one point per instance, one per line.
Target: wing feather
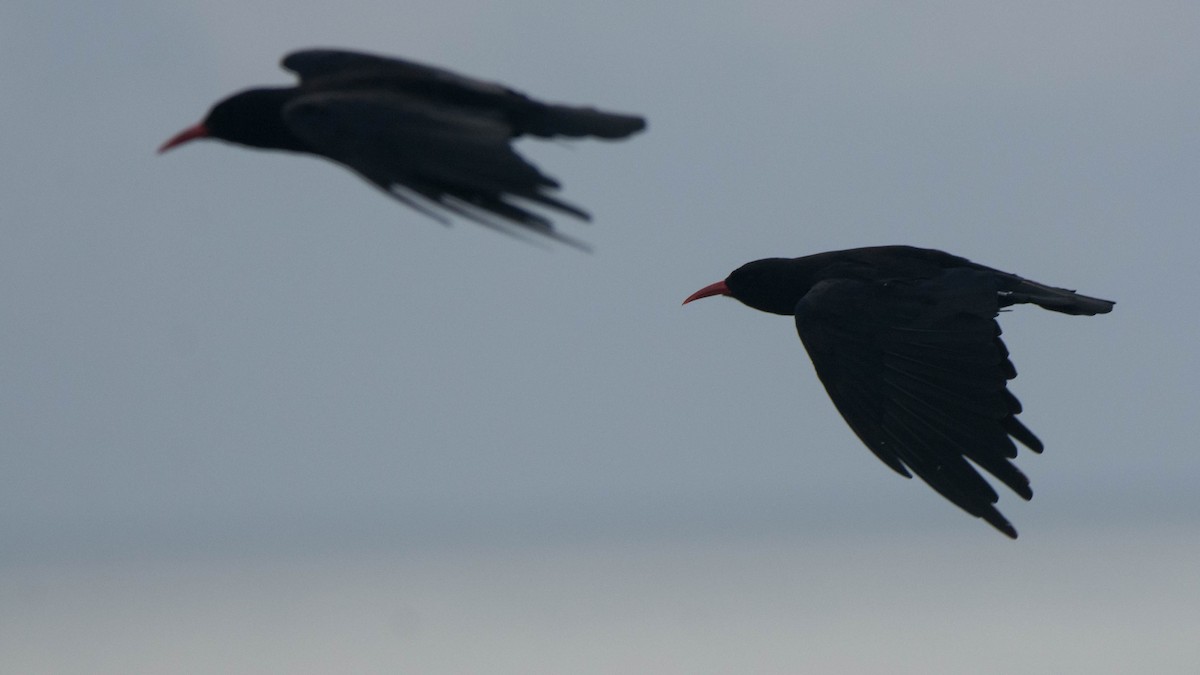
(443, 154)
(315, 64)
(919, 372)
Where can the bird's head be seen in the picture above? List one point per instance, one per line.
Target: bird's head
(252, 117)
(772, 285)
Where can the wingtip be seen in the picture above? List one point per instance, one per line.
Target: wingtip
(999, 522)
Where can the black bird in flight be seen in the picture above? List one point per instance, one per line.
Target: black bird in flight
(906, 342)
(426, 136)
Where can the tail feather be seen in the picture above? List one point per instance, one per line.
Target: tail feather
(561, 120)
(1055, 299)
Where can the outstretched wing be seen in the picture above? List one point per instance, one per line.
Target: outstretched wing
(919, 372)
(325, 68)
(458, 161)
(314, 64)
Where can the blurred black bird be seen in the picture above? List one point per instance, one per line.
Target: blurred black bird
(426, 136)
(906, 342)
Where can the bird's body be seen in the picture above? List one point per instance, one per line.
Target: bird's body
(906, 342)
(429, 137)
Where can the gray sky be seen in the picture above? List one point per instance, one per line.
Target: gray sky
(219, 354)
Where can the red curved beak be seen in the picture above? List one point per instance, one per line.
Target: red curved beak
(718, 288)
(188, 134)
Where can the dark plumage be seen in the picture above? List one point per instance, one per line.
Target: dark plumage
(426, 136)
(906, 342)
